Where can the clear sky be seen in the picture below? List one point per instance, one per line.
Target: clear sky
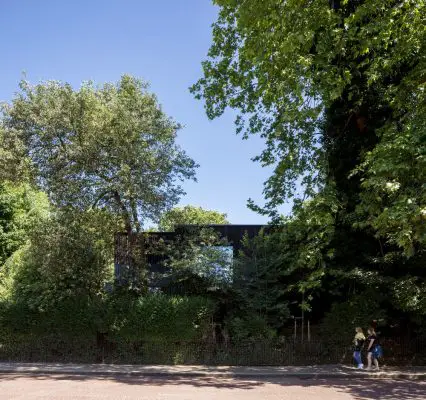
(161, 41)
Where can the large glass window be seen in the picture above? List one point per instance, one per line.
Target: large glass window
(215, 263)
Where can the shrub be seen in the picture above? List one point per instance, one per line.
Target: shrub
(151, 318)
(66, 258)
(343, 318)
(252, 327)
(162, 317)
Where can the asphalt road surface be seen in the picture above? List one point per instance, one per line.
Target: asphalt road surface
(64, 387)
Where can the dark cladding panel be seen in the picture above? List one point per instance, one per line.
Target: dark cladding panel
(232, 233)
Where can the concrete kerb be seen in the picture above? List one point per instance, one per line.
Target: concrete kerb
(320, 372)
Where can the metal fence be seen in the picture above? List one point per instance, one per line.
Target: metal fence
(54, 348)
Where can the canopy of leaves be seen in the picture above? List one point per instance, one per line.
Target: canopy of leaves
(284, 65)
(110, 147)
(190, 215)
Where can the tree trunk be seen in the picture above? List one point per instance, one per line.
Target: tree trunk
(135, 217)
(125, 213)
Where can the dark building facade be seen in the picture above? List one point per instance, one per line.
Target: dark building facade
(138, 247)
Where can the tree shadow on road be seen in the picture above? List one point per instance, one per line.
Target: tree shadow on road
(160, 380)
(366, 389)
(358, 389)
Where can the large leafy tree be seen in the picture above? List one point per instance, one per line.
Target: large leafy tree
(106, 147)
(337, 90)
(333, 87)
(190, 215)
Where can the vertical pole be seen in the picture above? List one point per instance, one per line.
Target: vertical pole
(295, 328)
(303, 315)
(309, 331)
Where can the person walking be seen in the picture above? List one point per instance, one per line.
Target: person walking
(372, 349)
(359, 340)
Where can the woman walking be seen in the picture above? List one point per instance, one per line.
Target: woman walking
(359, 340)
(372, 353)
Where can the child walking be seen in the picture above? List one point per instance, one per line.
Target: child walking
(359, 341)
(373, 349)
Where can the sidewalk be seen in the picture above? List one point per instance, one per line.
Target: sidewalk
(321, 371)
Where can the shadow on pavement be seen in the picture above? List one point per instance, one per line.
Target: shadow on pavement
(359, 389)
(160, 380)
(363, 389)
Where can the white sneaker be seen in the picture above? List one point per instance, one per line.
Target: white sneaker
(360, 366)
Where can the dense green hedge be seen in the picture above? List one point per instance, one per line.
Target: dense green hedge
(153, 317)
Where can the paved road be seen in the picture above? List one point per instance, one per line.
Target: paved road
(66, 387)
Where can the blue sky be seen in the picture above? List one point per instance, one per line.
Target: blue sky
(163, 42)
